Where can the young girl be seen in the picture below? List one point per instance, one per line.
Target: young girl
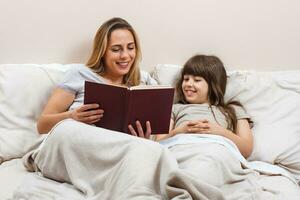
(201, 106)
(208, 134)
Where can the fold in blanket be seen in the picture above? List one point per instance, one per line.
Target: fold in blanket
(202, 139)
(215, 165)
(104, 164)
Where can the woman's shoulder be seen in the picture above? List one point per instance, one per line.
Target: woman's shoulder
(80, 68)
(75, 70)
(83, 72)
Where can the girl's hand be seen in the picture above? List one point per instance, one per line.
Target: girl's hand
(197, 126)
(87, 113)
(204, 126)
(182, 128)
(140, 132)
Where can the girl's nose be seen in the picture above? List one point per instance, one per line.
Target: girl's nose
(190, 82)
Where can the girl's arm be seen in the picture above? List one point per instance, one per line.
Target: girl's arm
(243, 137)
(184, 128)
(171, 133)
(56, 110)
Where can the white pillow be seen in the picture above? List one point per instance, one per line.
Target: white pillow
(24, 90)
(166, 74)
(273, 101)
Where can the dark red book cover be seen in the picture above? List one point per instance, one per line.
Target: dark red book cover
(123, 106)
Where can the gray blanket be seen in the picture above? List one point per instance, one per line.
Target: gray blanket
(103, 164)
(79, 161)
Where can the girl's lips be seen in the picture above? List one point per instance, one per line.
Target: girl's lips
(189, 92)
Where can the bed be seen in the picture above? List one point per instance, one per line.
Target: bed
(271, 98)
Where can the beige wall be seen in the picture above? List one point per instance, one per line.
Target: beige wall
(257, 34)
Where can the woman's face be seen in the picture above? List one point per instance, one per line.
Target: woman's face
(120, 53)
(195, 89)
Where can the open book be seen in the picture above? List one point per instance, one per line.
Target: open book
(123, 106)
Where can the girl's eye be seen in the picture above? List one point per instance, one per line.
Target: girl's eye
(198, 80)
(185, 78)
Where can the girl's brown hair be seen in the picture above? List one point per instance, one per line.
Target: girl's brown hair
(96, 63)
(213, 71)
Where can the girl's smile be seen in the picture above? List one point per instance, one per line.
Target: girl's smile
(195, 89)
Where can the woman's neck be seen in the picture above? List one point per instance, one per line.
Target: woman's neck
(112, 80)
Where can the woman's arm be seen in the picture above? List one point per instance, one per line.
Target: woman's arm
(56, 110)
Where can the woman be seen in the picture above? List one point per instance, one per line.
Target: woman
(105, 164)
(114, 60)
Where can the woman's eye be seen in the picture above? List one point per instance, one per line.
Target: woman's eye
(131, 47)
(115, 49)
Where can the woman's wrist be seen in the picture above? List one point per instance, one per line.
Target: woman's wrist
(173, 133)
(70, 114)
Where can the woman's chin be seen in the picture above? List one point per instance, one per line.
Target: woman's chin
(123, 72)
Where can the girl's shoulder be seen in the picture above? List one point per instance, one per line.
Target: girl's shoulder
(239, 110)
(241, 113)
(188, 107)
(192, 105)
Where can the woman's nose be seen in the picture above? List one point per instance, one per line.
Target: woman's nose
(124, 54)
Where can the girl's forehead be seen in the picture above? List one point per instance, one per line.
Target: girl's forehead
(193, 75)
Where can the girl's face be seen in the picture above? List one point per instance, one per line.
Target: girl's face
(120, 53)
(195, 89)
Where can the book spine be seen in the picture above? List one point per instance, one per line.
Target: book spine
(127, 111)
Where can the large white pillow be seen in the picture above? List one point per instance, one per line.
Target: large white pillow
(24, 90)
(273, 101)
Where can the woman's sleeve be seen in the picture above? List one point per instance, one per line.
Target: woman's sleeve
(71, 81)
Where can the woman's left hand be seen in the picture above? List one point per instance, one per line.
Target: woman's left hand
(140, 132)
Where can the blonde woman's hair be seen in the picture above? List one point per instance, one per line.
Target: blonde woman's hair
(96, 63)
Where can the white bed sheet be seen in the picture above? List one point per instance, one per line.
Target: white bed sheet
(12, 174)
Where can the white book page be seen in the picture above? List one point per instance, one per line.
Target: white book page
(145, 87)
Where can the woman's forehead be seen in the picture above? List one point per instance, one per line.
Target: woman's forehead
(120, 36)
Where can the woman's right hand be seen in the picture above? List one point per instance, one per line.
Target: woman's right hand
(87, 113)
